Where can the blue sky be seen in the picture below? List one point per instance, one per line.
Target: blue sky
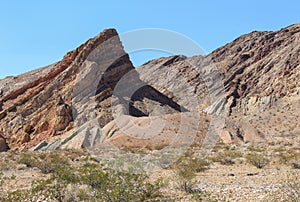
(37, 33)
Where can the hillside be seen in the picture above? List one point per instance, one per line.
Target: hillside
(220, 127)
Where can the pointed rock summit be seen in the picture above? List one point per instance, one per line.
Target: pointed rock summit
(37, 106)
(75, 102)
(44, 104)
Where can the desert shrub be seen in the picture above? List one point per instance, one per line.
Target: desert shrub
(89, 183)
(2, 193)
(29, 159)
(184, 179)
(112, 185)
(49, 163)
(259, 160)
(255, 148)
(5, 166)
(185, 170)
(46, 162)
(287, 156)
(221, 146)
(198, 164)
(226, 160)
(2, 181)
(195, 164)
(290, 157)
(226, 157)
(42, 156)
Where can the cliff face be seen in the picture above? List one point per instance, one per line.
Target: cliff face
(39, 104)
(43, 104)
(260, 72)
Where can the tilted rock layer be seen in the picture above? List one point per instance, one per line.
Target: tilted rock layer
(51, 101)
(42, 107)
(259, 73)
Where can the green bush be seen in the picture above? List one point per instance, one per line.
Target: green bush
(49, 163)
(184, 179)
(112, 185)
(195, 164)
(226, 157)
(29, 159)
(89, 183)
(46, 162)
(287, 156)
(258, 160)
(185, 170)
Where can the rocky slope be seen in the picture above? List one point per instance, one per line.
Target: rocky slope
(258, 64)
(260, 72)
(49, 102)
(73, 103)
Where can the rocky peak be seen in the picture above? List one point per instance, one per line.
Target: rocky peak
(97, 80)
(37, 105)
(54, 100)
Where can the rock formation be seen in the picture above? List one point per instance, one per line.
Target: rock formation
(260, 72)
(49, 102)
(72, 103)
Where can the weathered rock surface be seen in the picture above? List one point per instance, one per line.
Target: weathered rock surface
(259, 72)
(41, 108)
(96, 83)
(14, 83)
(74, 91)
(259, 65)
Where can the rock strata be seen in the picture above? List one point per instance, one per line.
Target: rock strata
(256, 75)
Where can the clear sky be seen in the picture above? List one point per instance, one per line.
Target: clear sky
(37, 33)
